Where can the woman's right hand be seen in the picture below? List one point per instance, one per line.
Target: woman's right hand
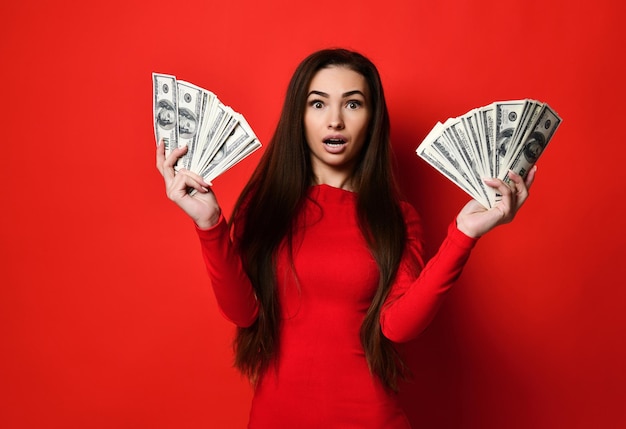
(202, 207)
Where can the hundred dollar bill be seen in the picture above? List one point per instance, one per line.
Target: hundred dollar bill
(529, 116)
(203, 143)
(535, 142)
(247, 150)
(455, 131)
(230, 121)
(191, 105)
(508, 114)
(218, 128)
(487, 116)
(532, 110)
(472, 127)
(475, 125)
(165, 108)
(441, 154)
(230, 151)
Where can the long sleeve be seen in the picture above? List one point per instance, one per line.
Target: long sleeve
(233, 290)
(419, 290)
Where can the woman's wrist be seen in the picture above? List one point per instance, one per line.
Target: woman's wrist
(210, 222)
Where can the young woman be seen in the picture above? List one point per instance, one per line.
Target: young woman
(322, 266)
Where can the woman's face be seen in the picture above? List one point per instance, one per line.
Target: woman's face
(336, 119)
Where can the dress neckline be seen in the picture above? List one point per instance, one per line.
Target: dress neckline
(330, 193)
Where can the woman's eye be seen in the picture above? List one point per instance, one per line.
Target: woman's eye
(316, 104)
(353, 105)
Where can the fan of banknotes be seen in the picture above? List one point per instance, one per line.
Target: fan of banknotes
(488, 142)
(217, 137)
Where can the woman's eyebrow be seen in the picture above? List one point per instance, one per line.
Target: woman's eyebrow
(344, 95)
(320, 93)
(355, 92)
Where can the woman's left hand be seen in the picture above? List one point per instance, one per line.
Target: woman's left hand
(475, 220)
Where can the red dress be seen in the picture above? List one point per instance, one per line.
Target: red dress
(322, 379)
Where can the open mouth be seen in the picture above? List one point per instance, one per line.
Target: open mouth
(334, 142)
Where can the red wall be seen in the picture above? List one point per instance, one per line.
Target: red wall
(106, 317)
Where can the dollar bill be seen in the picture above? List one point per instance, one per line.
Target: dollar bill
(535, 142)
(191, 105)
(203, 148)
(439, 152)
(487, 115)
(231, 150)
(221, 124)
(532, 110)
(472, 125)
(469, 158)
(165, 108)
(508, 115)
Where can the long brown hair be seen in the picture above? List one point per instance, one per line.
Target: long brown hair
(264, 214)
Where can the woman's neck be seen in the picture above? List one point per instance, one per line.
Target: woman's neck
(335, 180)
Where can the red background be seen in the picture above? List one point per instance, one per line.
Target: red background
(106, 316)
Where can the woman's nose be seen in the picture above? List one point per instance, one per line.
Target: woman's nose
(336, 119)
